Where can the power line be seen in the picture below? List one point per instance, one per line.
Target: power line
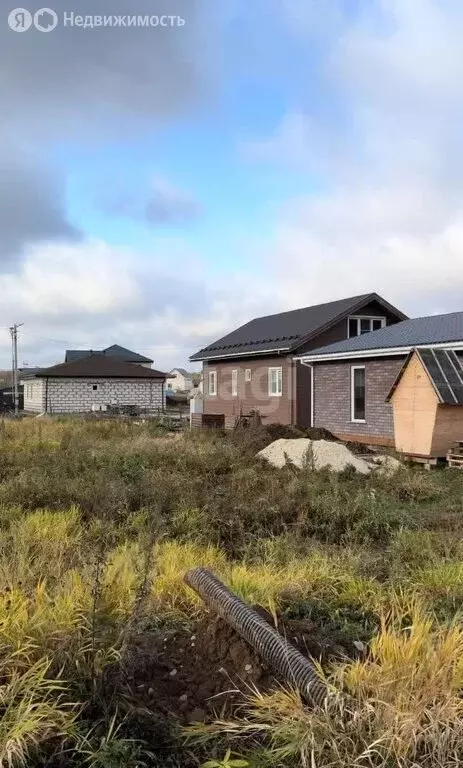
(140, 349)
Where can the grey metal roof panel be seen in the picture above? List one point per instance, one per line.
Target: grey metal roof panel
(283, 330)
(452, 373)
(125, 354)
(436, 329)
(76, 354)
(445, 372)
(114, 351)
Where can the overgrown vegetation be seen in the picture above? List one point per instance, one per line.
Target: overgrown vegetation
(100, 520)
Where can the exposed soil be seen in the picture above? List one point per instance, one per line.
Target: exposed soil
(190, 675)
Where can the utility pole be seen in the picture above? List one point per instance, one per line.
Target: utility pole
(14, 348)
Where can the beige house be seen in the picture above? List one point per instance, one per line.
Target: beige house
(427, 402)
(179, 380)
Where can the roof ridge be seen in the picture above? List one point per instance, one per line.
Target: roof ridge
(313, 306)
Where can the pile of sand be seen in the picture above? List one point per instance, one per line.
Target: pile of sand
(314, 454)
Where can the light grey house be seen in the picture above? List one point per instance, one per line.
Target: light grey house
(179, 380)
(94, 383)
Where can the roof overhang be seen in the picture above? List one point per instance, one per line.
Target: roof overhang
(194, 358)
(382, 352)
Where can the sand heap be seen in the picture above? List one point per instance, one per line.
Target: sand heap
(314, 454)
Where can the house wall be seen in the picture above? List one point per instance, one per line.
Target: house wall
(179, 383)
(34, 396)
(448, 428)
(332, 399)
(338, 332)
(294, 407)
(76, 395)
(414, 404)
(252, 395)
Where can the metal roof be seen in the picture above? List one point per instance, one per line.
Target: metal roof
(417, 332)
(114, 351)
(286, 331)
(445, 372)
(100, 366)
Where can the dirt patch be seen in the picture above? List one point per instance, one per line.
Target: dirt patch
(189, 675)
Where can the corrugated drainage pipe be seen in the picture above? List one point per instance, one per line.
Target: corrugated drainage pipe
(280, 655)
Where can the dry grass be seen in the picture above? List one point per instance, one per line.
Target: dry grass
(400, 707)
(94, 515)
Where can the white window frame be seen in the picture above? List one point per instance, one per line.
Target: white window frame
(279, 380)
(364, 317)
(247, 374)
(234, 382)
(354, 368)
(212, 377)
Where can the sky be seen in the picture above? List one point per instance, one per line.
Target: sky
(160, 186)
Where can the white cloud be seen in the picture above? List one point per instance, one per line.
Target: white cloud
(390, 217)
(91, 295)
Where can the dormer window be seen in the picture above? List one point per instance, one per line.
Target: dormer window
(361, 324)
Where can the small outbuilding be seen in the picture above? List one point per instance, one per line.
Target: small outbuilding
(427, 402)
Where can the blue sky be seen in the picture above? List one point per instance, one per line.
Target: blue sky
(266, 156)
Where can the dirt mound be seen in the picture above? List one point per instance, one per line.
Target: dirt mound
(187, 675)
(313, 453)
(277, 431)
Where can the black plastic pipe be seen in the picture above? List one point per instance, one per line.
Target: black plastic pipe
(280, 655)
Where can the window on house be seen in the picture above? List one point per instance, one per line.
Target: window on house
(247, 374)
(95, 387)
(357, 326)
(275, 381)
(234, 382)
(212, 382)
(357, 393)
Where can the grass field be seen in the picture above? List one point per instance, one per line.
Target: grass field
(99, 522)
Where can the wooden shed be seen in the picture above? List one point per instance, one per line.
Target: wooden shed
(427, 403)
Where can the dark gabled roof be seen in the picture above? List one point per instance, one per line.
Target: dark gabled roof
(182, 371)
(126, 354)
(287, 331)
(114, 351)
(420, 331)
(100, 366)
(27, 373)
(78, 354)
(445, 372)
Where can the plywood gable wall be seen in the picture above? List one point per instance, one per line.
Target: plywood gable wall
(415, 406)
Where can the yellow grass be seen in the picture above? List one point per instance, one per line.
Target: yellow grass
(401, 707)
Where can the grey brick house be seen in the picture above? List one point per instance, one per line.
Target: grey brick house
(94, 383)
(256, 367)
(351, 379)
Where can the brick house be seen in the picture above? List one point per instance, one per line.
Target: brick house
(352, 379)
(94, 383)
(256, 367)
